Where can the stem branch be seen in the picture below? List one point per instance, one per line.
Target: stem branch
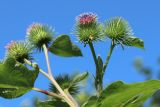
(68, 100)
(70, 96)
(48, 93)
(108, 57)
(98, 79)
(35, 66)
(93, 54)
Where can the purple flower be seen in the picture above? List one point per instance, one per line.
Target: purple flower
(86, 18)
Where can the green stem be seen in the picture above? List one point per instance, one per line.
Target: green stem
(35, 66)
(93, 54)
(51, 79)
(70, 96)
(98, 79)
(54, 82)
(47, 75)
(108, 57)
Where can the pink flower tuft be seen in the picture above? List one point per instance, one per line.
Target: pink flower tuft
(87, 18)
(10, 45)
(33, 26)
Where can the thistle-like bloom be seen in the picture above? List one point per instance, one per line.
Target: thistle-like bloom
(117, 29)
(88, 28)
(19, 50)
(39, 34)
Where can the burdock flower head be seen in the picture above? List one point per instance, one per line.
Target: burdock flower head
(19, 50)
(39, 34)
(88, 28)
(117, 29)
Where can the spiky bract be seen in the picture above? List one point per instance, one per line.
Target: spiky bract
(88, 28)
(39, 34)
(19, 50)
(117, 29)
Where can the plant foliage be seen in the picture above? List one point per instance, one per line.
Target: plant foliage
(62, 46)
(15, 79)
(119, 94)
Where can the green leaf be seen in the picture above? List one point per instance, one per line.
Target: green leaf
(63, 46)
(80, 77)
(133, 41)
(119, 94)
(15, 79)
(52, 104)
(91, 102)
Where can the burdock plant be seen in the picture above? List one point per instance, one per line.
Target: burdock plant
(89, 30)
(19, 71)
(19, 53)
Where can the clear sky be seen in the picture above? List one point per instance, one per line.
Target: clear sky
(143, 16)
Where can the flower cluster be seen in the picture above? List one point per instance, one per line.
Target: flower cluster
(39, 34)
(19, 50)
(88, 28)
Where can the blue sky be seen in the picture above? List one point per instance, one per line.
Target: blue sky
(143, 16)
